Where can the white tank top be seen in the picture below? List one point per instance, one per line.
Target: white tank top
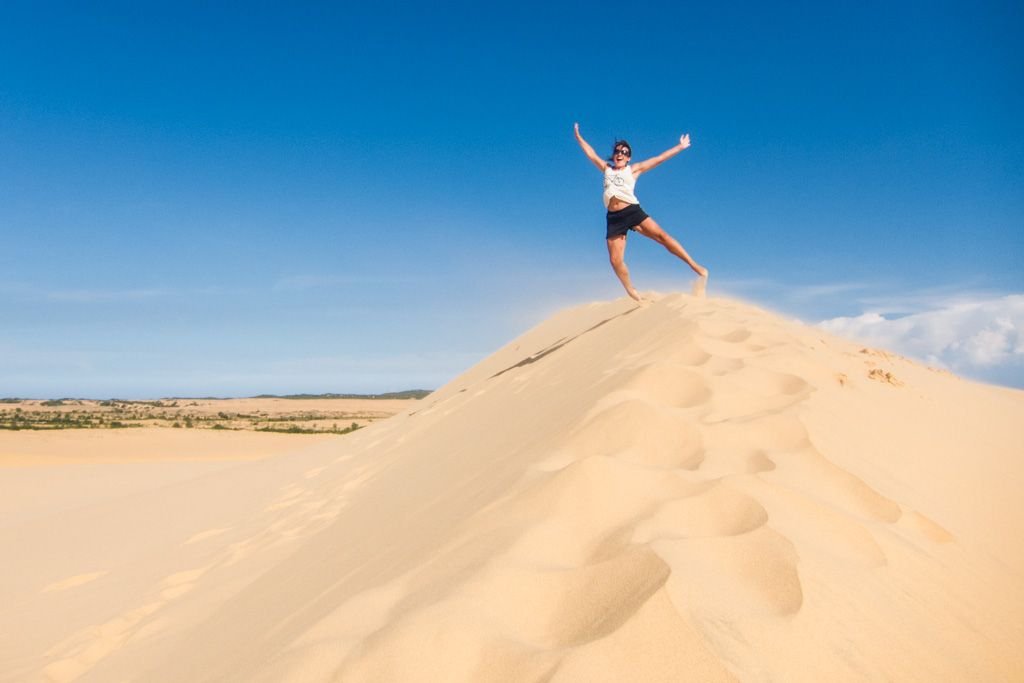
(619, 183)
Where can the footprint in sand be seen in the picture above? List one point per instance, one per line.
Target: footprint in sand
(738, 335)
(74, 581)
(719, 511)
(568, 607)
(667, 384)
(768, 433)
(723, 365)
(772, 383)
(832, 484)
(722, 331)
(733, 577)
(588, 509)
(510, 622)
(759, 462)
(88, 647)
(690, 355)
(818, 528)
(209, 533)
(926, 527)
(752, 391)
(291, 495)
(798, 464)
(82, 651)
(178, 584)
(725, 462)
(640, 433)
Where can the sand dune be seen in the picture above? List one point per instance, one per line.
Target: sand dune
(692, 490)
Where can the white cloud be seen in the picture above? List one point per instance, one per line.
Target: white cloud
(981, 337)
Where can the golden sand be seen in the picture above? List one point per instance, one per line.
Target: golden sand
(692, 490)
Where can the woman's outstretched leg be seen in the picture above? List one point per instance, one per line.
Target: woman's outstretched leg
(616, 254)
(650, 228)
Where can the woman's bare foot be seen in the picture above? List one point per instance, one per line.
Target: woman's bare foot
(635, 295)
(700, 270)
(700, 286)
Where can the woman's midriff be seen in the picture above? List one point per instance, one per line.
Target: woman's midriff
(616, 204)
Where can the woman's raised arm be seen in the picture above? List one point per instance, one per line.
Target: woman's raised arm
(684, 142)
(588, 150)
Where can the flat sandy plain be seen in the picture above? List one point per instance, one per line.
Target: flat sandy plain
(177, 428)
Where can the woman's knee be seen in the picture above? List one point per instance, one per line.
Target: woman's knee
(617, 257)
(616, 250)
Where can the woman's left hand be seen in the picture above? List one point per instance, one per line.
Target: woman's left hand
(684, 140)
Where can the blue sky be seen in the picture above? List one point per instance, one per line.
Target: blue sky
(373, 196)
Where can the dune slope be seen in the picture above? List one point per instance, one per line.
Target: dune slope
(692, 490)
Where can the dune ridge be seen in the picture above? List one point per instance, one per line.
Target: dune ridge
(696, 489)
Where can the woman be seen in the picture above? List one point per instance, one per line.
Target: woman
(624, 212)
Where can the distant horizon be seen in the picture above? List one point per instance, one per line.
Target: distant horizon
(888, 334)
(292, 396)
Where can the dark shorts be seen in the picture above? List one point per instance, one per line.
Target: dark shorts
(622, 221)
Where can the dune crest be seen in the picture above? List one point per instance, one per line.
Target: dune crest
(692, 490)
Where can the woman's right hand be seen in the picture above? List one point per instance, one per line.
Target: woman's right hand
(588, 150)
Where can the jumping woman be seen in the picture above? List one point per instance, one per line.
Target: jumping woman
(624, 212)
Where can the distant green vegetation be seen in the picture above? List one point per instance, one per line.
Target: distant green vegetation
(114, 402)
(296, 429)
(401, 395)
(49, 420)
(120, 414)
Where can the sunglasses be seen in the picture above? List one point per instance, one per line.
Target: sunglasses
(622, 150)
